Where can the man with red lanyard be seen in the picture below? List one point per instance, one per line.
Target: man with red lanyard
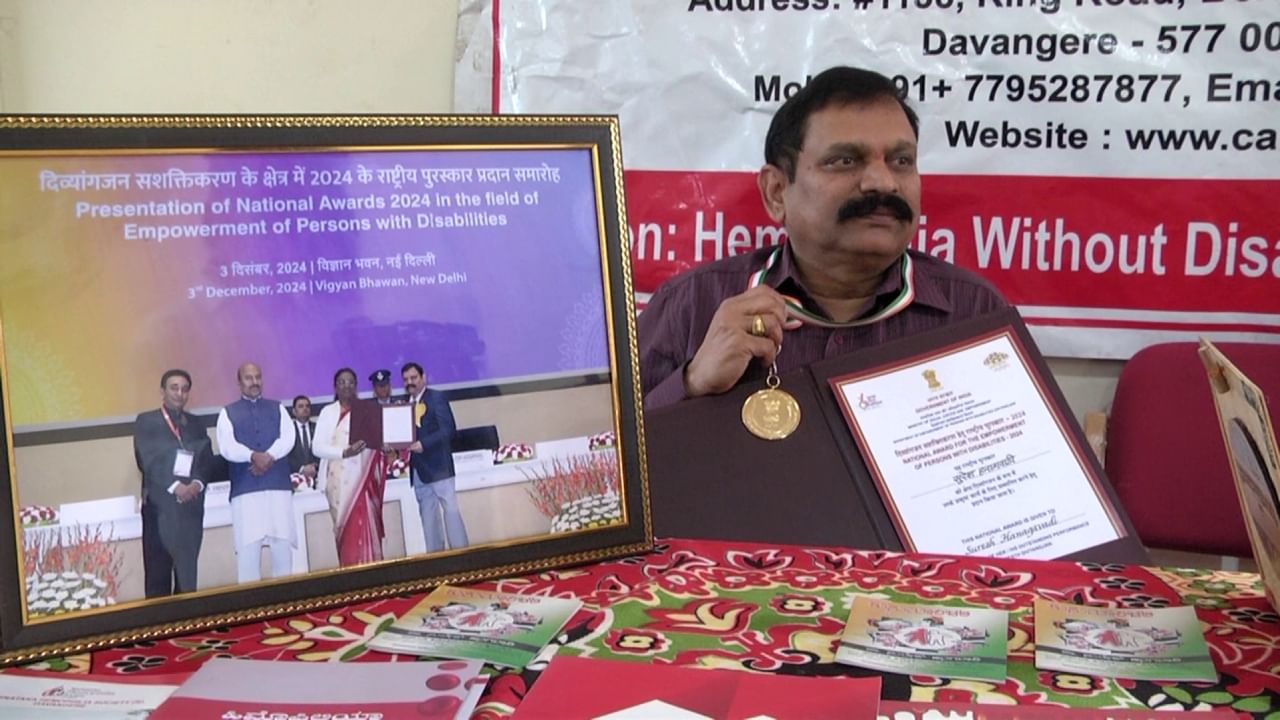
(172, 449)
(840, 174)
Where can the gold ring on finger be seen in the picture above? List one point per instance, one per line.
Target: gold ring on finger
(757, 326)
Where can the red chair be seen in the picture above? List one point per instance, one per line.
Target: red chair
(1164, 449)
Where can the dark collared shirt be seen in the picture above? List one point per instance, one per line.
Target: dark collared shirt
(672, 326)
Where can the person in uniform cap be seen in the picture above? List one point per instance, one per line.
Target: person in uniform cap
(396, 461)
(381, 380)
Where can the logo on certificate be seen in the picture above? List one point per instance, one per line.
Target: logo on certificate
(866, 402)
(931, 377)
(996, 361)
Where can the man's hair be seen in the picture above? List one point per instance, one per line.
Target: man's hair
(302, 397)
(839, 85)
(411, 366)
(164, 379)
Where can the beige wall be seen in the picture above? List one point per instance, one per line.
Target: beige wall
(229, 56)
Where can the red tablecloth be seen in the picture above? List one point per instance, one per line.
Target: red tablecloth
(779, 609)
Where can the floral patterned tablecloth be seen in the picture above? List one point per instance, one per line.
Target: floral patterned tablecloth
(779, 609)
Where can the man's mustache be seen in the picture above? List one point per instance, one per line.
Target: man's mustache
(873, 201)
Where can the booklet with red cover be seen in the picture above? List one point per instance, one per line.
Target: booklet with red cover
(577, 687)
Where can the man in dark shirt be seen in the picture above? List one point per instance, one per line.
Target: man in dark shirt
(840, 174)
(172, 450)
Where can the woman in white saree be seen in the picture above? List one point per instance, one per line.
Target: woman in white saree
(353, 477)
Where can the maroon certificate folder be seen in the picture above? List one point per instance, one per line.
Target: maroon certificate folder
(378, 425)
(710, 478)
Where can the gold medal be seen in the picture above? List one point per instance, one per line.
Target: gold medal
(771, 414)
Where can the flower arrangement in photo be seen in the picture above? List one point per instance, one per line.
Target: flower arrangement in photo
(515, 452)
(602, 441)
(577, 492)
(35, 515)
(399, 466)
(74, 568)
(301, 482)
(588, 512)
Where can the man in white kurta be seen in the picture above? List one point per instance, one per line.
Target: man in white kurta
(254, 435)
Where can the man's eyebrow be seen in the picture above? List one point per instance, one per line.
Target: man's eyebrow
(850, 148)
(862, 148)
(904, 145)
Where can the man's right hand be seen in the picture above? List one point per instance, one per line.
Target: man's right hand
(187, 491)
(729, 346)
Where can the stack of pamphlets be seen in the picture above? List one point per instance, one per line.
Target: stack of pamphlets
(1133, 643)
(234, 689)
(941, 640)
(499, 628)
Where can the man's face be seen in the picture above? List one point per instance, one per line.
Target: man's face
(413, 381)
(302, 410)
(176, 392)
(382, 391)
(851, 152)
(250, 378)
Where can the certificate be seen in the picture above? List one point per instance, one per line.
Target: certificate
(973, 457)
(397, 426)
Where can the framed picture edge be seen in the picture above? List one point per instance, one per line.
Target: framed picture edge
(25, 638)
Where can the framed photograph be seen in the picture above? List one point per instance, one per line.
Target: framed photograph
(183, 292)
(1250, 442)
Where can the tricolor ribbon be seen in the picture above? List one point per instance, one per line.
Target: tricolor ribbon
(796, 310)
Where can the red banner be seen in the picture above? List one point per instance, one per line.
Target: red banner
(1067, 251)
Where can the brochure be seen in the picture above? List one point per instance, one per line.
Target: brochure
(50, 697)
(921, 639)
(499, 628)
(1133, 643)
(577, 688)
(240, 689)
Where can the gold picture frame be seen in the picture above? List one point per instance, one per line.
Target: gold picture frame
(491, 250)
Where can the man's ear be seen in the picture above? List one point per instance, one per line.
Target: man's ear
(772, 181)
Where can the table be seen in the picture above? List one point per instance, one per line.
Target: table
(779, 609)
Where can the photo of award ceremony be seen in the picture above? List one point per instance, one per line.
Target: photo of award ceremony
(874, 359)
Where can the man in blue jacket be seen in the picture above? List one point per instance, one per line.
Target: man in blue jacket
(431, 463)
(254, 435)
